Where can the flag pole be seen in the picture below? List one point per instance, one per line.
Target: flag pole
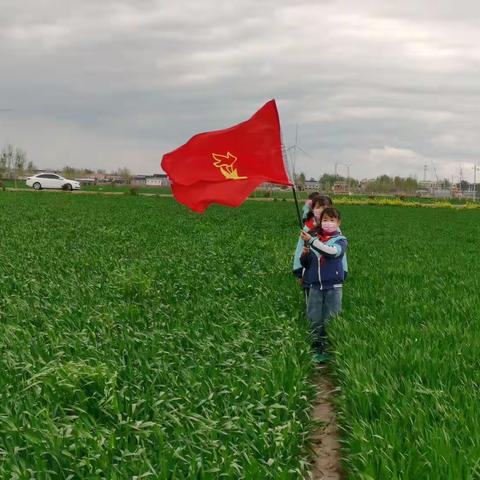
(285, 161)
(300, 223)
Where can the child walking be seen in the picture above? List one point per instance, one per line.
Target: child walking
(323, 275)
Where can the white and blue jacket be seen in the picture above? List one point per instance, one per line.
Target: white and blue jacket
(323, 265)
(297, 267)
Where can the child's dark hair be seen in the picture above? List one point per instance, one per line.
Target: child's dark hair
(321, 200)
(330, 212)
(312, 195)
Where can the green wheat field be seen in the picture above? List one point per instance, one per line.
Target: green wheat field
(140, 340)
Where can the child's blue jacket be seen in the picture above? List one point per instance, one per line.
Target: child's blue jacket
(297, 265)
(323, 265)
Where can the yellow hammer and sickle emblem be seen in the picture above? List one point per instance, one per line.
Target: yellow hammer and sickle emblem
(225, 163)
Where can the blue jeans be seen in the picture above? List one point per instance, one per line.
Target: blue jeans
(322, 305)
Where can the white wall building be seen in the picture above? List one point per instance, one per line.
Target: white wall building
(157, 180)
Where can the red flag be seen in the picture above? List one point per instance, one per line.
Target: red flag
(225, 166)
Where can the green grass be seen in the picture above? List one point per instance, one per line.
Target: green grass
(11, 183)
(125, 188)
(407, 346)
(140, 340)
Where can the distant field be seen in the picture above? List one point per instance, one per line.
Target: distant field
(279, 194)
(99, 188)
(139, 339)
(125, 188)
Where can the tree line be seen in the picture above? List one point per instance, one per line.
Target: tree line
(380, 184)
(14, 164)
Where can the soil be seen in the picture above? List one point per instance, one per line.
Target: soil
(326, 444)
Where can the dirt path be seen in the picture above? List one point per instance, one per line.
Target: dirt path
(325, 440)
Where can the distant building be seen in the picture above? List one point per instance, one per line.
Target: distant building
(471, 195)
(426, 185)
(139, 180)
(311, 185)
(157, 180)
(86, 181)
(270, 186)
(456, 191)
(423, 193)
(442, 193)
(108, 178)
(340, 187)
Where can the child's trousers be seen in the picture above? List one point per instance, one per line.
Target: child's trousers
(322, 305)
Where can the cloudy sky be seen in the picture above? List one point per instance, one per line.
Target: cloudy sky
(384, 87)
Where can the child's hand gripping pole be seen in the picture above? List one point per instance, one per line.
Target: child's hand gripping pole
(306, 237)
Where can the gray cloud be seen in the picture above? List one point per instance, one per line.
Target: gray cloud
(385, 87)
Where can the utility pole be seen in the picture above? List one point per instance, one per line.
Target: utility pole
(475, 168)
(346, 165)
(348, 177)
(6, 110)
(425, 168)
(295, 154)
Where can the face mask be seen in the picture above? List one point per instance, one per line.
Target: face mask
(317, 212)
(329, 227)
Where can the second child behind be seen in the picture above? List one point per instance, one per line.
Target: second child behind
(311, 221)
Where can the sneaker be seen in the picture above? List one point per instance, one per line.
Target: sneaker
(321, 357)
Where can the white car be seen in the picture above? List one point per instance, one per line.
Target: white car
(52, 180)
